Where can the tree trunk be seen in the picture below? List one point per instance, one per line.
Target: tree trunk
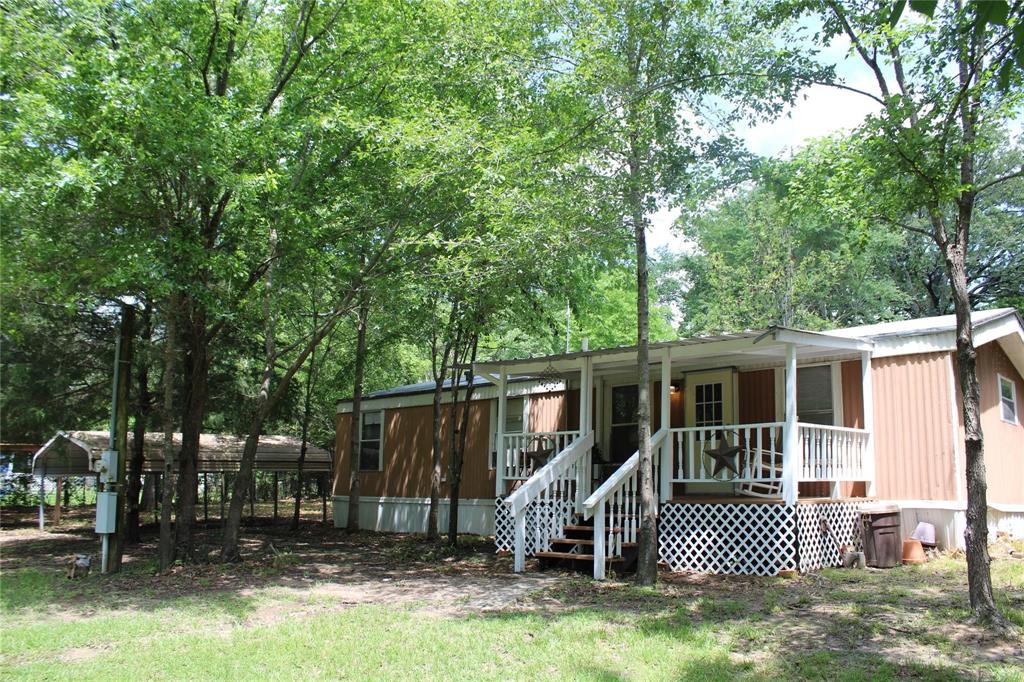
(647, 559)
(440, 372)
(357, 398)
(142, 408)
(979, 578)
(459, 439)
(166, 547)
(197, 371)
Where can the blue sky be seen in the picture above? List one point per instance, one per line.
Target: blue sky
(818, 111)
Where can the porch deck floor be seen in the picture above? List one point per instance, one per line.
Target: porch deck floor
(742, 499)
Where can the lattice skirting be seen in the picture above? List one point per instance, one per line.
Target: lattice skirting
(817, 546)
(545, 519)
(747, 539)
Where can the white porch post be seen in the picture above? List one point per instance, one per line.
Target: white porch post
(869, 418)
(665, 465)
(42, 499)
(791, 448)
(599, 536)
(499, 439)
(583, 468)
(519, 542)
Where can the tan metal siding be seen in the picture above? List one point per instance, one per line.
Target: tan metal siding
(547, 412)
(1004, 442)
(913, 432)
(408, 450)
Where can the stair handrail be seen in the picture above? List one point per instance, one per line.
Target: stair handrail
(620, 475)
(540, 481)
(596, 503)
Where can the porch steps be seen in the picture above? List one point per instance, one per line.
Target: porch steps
(574, 552)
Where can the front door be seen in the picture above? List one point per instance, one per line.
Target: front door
(623, 436)
(709, 400)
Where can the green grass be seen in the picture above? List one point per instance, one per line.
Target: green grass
(166, 627)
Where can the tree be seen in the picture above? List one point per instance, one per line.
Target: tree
(647, 69)
(942, 82)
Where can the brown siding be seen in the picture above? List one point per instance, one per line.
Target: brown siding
(548, 412)
(408, 444)
(1004, 442)
(853, 394)
(756, 399)
(913, 432)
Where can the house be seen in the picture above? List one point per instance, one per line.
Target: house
(766, 444)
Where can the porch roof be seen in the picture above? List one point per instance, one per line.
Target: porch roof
(766, 346)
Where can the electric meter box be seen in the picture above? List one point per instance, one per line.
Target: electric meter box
(106, 512)
(107, 466)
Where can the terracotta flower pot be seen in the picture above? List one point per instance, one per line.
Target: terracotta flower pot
(913, 552)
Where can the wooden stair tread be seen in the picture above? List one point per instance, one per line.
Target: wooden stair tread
(575, 541)
(591, 529)
(572, 557)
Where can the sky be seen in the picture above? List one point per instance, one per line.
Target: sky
(818, 111)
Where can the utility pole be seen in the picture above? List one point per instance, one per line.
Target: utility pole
(115, 459)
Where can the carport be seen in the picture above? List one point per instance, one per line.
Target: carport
(75, 453)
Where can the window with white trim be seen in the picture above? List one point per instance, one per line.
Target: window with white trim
(371, 440)
(814, 395)
(1008, 400)
(709, 405)
(515, 422)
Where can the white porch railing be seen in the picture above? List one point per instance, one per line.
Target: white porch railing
(556, 491)
(757, 460)
(521, 454)
(615, 505)
(834, 453)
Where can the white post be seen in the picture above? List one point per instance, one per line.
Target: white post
(665, 470)
(499, 438)
(583, 468)
(599, 542)
(869, 418)
(42, 499)
(519, 542)
(791, 448)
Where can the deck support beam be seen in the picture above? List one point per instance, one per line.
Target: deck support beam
(869, 418)
(791, 432)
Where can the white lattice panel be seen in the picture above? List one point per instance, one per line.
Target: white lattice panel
(818, 547)
(748, 539)
(545, 519)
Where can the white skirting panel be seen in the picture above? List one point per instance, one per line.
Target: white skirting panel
(950, 520)
(409, 514)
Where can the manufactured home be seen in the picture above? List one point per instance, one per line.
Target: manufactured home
(766, 445)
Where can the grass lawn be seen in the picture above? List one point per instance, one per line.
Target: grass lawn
(318, 604)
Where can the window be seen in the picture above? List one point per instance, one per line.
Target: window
(707, 399)
(515, 422)
(371, 436)
(1008, 399)
(814, 395)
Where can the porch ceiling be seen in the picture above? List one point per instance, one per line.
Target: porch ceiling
(767, 347)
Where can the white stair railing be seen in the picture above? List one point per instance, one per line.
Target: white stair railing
(615, 505)
(516, 448)
(557, 491)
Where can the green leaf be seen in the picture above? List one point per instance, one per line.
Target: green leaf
(897, 12)
(925, 7)
(993, 12)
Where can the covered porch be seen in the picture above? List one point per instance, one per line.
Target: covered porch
(766, 416)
